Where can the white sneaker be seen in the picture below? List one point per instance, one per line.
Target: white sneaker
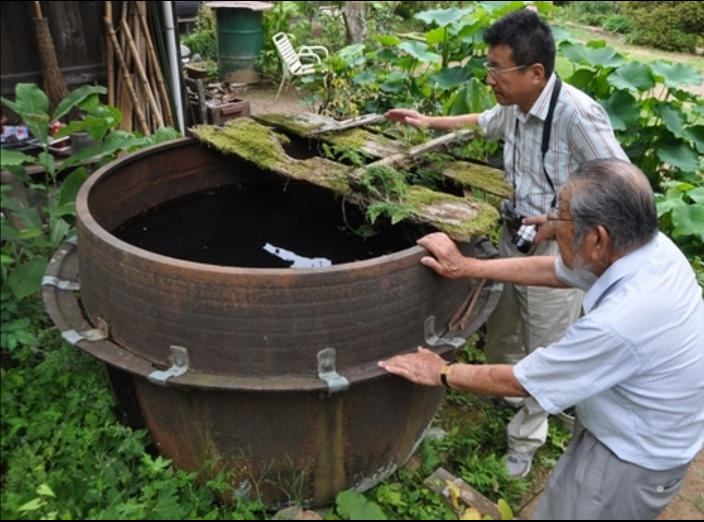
(518, 463)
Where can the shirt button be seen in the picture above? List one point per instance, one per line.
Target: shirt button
(660, 489)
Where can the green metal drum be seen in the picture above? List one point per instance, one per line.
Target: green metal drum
(239, 40)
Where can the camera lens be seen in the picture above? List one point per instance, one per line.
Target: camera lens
(524, 238)
(523, 245)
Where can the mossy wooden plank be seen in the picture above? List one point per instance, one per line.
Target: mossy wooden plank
(263, 147)
(462, 218)
(476, 175)
(330, 131)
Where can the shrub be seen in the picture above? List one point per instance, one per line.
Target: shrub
(671, 26)
(619, 24)
(594, 13)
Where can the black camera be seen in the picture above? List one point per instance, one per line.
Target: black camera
(524, 237)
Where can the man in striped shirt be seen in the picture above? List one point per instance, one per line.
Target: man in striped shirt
(548, 128)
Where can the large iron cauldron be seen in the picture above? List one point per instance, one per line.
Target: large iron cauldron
(269, 374)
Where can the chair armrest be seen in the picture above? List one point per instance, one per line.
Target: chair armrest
(311, 49)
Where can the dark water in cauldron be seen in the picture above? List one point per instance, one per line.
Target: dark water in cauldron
(262, 225)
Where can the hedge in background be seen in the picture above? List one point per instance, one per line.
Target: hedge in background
(671, 26)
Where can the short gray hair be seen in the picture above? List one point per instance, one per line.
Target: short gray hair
(616, 195)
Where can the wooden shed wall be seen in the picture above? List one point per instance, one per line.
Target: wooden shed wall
(78, 33)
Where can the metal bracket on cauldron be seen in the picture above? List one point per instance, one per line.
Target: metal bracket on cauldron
(327, 372)
(179, 366)
(60, 283)
(94, 334)
(432, 338)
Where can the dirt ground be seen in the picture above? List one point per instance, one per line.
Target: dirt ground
(689, 502)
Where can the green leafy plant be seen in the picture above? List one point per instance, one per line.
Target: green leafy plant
(681, 214)
(656, 119)
(203, 40)
(31, 233)
(351, 505)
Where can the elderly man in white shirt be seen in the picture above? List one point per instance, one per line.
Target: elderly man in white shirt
(632, 366)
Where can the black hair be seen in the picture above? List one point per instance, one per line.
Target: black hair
(529, 37)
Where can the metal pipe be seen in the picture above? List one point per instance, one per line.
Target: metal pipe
(174, 64)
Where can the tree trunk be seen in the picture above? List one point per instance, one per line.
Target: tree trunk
(353, 13)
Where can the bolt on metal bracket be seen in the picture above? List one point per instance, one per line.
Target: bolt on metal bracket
(432, 338)
(94, 334)
(327, 372)
(179, 366)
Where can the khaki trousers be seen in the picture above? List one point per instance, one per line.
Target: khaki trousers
(527, 318)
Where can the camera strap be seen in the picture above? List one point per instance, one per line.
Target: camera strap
(547, 127)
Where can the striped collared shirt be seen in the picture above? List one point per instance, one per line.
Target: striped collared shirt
(581, 131)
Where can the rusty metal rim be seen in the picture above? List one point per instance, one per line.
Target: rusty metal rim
(90, 223)
(60, 289)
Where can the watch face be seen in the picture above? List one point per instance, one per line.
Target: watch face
(444, 373)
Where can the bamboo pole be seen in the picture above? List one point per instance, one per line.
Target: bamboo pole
(127, 78)
(110, 59)
(142, 74)
(156, 67)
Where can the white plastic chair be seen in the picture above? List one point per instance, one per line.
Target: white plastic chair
(291, 59)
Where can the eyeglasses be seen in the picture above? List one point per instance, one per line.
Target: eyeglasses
(498, 72)
(554, 217)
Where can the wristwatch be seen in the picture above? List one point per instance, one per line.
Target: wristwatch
(444, 373)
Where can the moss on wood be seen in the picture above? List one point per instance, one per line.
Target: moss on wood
(459, 217)
(462, 218)
(476, 175)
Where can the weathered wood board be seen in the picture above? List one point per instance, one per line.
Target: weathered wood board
(262, 141)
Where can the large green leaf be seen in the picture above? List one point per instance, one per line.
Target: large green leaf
(71, 185)
(29, 216)
(26, 279)
(633, 76)
(581, 78)
(60, 229)
(678, 154)
(30, 99)
(442, 17)
(353, 55)
(366, 77)
(698, 109)
(352, 505)
(623, 110)
(449, 78)
(419, 51)
(697, 195)
(674, 75)
(675, 120)
(33, 107)
(79, 96)
(596, 57)
(387, 39)
(387, 55)
(562, 35)
(436, 36)
(688, 220)
(9, 158)
(695, 133)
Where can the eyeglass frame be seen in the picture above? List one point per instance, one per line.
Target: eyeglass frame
(495, 73)
(552, 216)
